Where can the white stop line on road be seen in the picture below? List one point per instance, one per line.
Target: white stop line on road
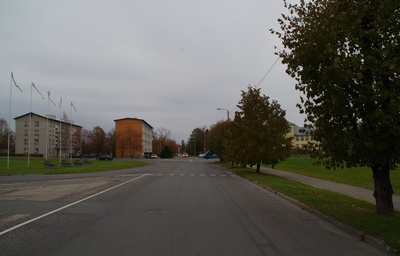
(69, 205)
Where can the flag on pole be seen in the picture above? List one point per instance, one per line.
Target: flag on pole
(37, 90)
(15, 83)
(59, 106)
(72, 104)
(48, 94)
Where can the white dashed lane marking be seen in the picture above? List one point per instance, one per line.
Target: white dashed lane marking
(191, 175)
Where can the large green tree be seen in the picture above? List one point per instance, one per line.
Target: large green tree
(344, 55)
(219, 138)
(98, 139)
(197, 141)
(260, 130)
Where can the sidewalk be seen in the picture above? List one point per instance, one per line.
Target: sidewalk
(356, 192)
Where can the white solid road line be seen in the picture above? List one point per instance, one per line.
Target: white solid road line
(69, 205)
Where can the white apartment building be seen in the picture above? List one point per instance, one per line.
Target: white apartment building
(36, 134)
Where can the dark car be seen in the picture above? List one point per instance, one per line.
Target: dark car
(105, 158)
(210, 155)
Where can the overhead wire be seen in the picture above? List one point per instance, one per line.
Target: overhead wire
(269, 70)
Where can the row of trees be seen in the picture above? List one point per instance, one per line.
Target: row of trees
(257, 134)
(344, 56)
(98, 141)
(197, 143)
(163, 144)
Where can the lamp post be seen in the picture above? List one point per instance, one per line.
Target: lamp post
(227, 112)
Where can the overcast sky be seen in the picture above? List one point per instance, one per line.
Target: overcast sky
(170, 62)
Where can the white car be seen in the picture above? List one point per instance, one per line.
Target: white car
(153, 156)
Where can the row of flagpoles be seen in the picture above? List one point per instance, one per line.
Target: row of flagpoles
(33, 86)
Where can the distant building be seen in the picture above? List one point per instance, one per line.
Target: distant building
(301, 136)
(57, 133)
(134, 138)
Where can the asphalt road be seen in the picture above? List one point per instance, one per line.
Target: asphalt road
(171, 207)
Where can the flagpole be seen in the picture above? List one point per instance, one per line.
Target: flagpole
(60, 130)
(60, 138)
(30, 123)
(9, 119)
(47, 124)
(30, 117)
(72, 106)
(70, 134)
(9, 125)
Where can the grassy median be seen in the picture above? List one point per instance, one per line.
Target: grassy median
(18, 166)
(352, 212)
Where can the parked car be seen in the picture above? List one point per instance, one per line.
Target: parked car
(105, 158)
(74, 155)
(185, 155)
(91, 155)
(201, 155)
(210, 155)
(153, 156)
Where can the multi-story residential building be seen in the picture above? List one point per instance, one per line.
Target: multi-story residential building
(301, 136)
(134, 138)
(34, 134)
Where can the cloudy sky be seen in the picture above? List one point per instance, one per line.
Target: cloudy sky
(170, 62)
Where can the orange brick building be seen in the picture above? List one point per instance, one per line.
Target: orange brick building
(134, 137)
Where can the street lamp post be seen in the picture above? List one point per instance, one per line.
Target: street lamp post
(227, 112)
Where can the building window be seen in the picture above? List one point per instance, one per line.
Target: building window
(26, 141)
(26, 123)
(26, 132)
(25, 150)
(36, 132)
(36, 123)
(36, 141)
(36, 150)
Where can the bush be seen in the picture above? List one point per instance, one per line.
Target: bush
(166, 153)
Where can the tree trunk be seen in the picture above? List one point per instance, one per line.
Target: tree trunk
(383, 192)
(258, 167)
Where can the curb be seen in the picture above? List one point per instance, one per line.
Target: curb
(362, 237)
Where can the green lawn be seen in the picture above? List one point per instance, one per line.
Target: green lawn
(36, 166)
(360, 176)
(352, 212)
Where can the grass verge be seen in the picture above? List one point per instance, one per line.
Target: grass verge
(18, 166)
(356, 176)
(352, 212)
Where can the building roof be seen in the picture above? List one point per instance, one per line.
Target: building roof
(45, 117)
(133, 119)
(302, 130)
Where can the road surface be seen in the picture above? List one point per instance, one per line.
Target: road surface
(171, 207)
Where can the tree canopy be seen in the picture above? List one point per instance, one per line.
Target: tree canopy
(217, 139)
(344, 55)
(258, 134)
(162, 137)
